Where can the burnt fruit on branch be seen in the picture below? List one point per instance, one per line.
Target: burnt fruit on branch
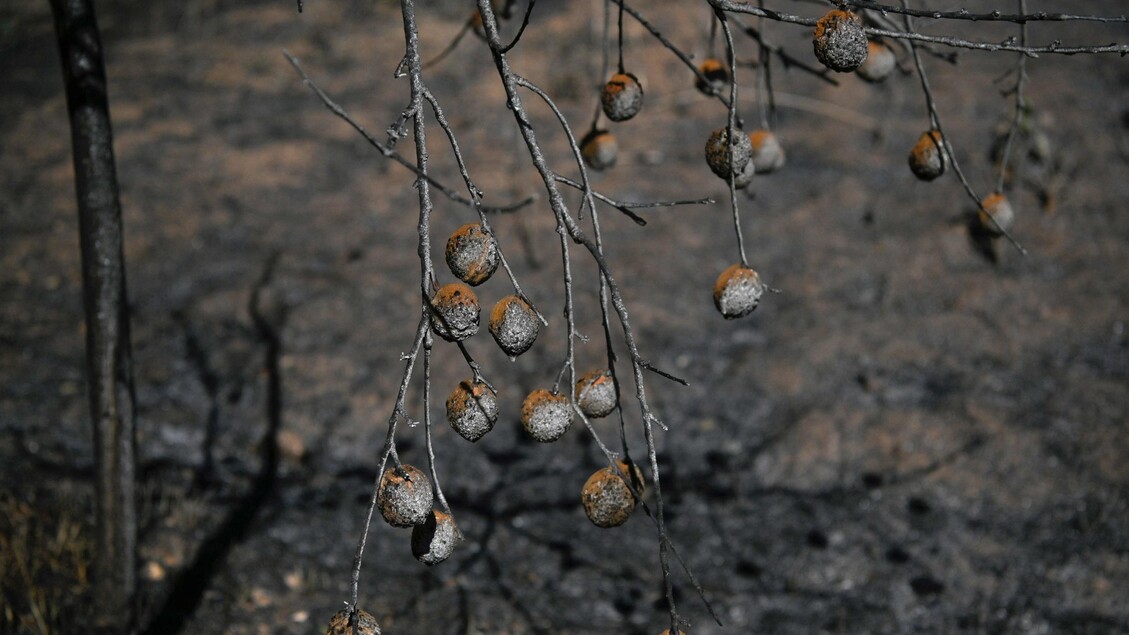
(472, 254)
(435, 540)
(514, 325)
(839, 41)
(472, 409)
(607, 498)
(595, 393)
(622, 97)
(546, 416)
(404, 497)
(737, 292)
(718, 152)
(454, 315)
(927, 159)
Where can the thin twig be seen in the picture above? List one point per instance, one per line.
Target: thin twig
(1020, 103)
(626, 205)
(398, 412)
(557, 204)
(524, 23)
(995, 16)
(935, 123)
(909, 34)
(662, 39)
(786, 58)
(450, 48)
(437, 490)
(731, 132)
(392, 154)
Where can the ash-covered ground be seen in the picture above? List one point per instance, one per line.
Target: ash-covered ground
(908, 438)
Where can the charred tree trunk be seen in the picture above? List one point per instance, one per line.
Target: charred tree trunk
(108, 364)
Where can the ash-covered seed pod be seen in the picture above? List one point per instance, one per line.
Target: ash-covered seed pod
(455, 312)
(545, 416)
(1000, 209)
(599, 149)
(880, 62)
(434, 541)
(768, 154)
(622, 97)
(744, 178)
(514, 325)
(607, 499)
(404, 496)
(737, 292)
(839, 41)
(595, 393)
(717, 76)
(365, 623)
(717, 152)
(928, 159)
(472, 409)
(472, 254)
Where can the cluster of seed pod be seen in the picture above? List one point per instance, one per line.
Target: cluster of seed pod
(472, 255)
(840, 44)
(621, 98)
(608, 499)
(405, 499)
(404, 496)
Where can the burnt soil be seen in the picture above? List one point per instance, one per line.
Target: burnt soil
(910, 437)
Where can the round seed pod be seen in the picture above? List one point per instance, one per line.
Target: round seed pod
(717, 76)
(545, 416)
(434, 541)
(839, 41)
(366, 624)
(595, 393)
(737, 292)
(472, 254)
(927, 159)
(455, 314)
(472, 409)
(744, 178)
(1000, 209)
(880, 62)
(607, 499)
(717, 152)
(768, 154)
(599, 149)
(622, 97)
(404, 496)
(514, 325)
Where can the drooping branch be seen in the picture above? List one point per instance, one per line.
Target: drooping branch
(387, 151)
(564, 219)
(994, 16)
(946, 143)
(1020, 106)
(955, 42)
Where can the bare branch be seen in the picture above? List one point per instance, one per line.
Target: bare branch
(392, 154)
(955, 42)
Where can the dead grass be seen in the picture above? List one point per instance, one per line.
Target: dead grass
(44, 560)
